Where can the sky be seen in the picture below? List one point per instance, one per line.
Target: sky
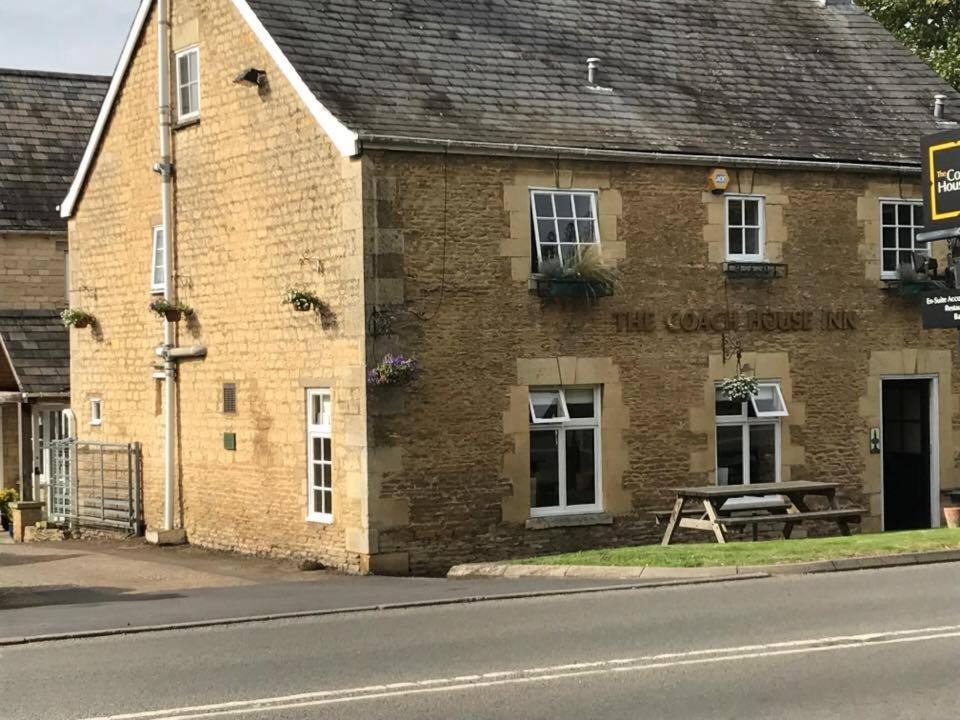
(81, 36)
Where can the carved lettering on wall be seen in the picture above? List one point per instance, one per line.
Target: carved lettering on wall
(689, 321)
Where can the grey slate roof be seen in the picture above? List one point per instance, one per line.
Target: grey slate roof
(38, 346)
(778, 78)
(45, 121)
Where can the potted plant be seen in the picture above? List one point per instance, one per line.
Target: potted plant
(583, 276)
(393, 370)
(7, 496)
(76, 318)
(171, 311)
(740, 387)
(302, 300)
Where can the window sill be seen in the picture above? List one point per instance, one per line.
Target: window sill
(320, 518)
(188, 122)
(546, 522)
(754, 269)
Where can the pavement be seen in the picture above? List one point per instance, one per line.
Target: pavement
(873, 643)
(75, 588)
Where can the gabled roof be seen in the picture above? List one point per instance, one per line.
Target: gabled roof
(772, 78)
(45, 120)
(38, 347)
(783, 79)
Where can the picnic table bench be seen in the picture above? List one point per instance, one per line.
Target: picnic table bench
(714, 515)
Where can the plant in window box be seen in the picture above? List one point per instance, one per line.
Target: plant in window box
(393, 370)
(583, 276)
(739, 388)
(171, 311)
(76, 318)
(302, 300)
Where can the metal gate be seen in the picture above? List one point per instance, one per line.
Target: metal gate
(94, 484)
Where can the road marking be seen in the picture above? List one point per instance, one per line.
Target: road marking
(543, 674)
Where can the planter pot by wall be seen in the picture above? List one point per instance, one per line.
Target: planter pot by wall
(572, 287)
(952, 516)
(173, 315)
(81, 324)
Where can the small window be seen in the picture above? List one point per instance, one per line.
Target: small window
(900, 221)
(564, 451)
(229, 398)
(188, 84)
(564, 224)
(745, 228)
(748, 437)
(96, 411)
(768, 402)
(158, 266)
(319, 456)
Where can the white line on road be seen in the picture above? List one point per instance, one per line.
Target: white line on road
(542, 674)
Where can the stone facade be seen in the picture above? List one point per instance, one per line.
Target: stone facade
(33, 271)
(263, 203)
(429, 255)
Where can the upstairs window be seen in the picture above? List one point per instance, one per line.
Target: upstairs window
(745, 228)
(564, 224)
(158, 265)
(188, 84)
(900, 221)
(564, 450)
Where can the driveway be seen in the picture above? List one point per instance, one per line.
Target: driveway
(77, 587)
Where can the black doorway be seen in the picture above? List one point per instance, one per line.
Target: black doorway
(906, 454)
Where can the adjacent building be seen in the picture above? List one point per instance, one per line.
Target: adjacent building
(750, 170)
(45, 121)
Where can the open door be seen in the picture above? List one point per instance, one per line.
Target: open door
(906, 454)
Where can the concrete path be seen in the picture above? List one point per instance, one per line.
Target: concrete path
(88, 587)
(870, 644)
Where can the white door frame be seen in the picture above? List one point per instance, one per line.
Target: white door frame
(934, 446)
(35, 413)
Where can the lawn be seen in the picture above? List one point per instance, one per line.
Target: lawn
(760, 553)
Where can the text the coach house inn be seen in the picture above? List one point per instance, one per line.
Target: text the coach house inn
(575, 217)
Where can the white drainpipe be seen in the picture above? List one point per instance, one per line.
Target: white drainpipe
(165, 168)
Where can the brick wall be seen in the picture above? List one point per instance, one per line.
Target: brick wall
(32, 269)
(450, 427)
(258, 188)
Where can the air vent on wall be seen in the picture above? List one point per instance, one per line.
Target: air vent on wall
(229, 398)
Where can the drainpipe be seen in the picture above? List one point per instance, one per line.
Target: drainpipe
(165, 168)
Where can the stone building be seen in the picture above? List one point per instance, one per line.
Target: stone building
(417, 166)
(45, 120)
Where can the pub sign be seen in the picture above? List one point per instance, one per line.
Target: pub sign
(941, 309)
(941, 180)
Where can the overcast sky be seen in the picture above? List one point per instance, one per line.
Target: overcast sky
(83, 36)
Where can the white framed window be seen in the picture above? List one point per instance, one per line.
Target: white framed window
(319, 456)
(745, 228)
(564, 224)
(188, 84)
(96, 411)
(900, 221)
(564, 450)
(158, 262)
(748, 437)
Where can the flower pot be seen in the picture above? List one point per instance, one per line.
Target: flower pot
(172, 315)
(952, 515)
(572, 287)
(302, 305)
(81, 324)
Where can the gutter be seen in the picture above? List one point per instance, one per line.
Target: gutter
(469, 147)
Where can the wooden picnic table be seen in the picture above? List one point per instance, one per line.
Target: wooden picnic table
(717, 518)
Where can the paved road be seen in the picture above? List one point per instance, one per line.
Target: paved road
(867, 644)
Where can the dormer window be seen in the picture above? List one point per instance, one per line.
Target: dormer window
(564, 225)
(745, 228)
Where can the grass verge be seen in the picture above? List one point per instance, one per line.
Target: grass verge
(760, 553)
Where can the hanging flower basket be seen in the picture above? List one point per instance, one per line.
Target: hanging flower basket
(739, 388)
(302, 300)
(393, 370)
(172, 312)
(76, 318)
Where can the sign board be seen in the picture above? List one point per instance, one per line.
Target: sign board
(941, 180)
(941, 309)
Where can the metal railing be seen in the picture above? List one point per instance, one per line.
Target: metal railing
(95, 484)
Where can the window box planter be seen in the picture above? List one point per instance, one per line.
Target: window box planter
(76, 318)
(572, 288)
(302, 300)
(915, 286)
(172, 312)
